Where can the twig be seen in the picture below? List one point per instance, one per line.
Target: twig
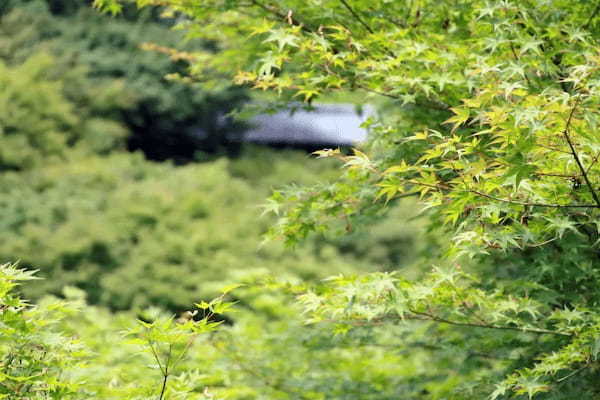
(164, 387)
(576, 156)
(356, 16)
(156, 357)
(165, 375)
(564, 378)
(501, 327)
(422, 316)
(566, 176)
(593, 162)
(517, 58)
(592, 16)
(435, 104)
(282, 16)
(534, 204)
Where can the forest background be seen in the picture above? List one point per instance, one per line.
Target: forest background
(123, 188)
(110, 194)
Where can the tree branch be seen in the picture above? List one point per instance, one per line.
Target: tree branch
(517, 58)
(534, 204)
(356, 16)
(435, 318)
(164, 387)
(593, 162)
(282, 16)
(165, 375)
(576, 156)
(592, 16)
(422, 316)
(434, 104)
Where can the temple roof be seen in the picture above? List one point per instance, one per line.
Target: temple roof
(327, 124)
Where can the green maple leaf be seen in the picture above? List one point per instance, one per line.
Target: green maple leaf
(283, 38)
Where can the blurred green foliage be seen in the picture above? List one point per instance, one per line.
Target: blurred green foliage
(88, 352)
(135, 233)
(121, 237)
(167, 119)
(132, 232)
(39, 123)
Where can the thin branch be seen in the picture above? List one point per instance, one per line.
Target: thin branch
(184, 351)
(267, 381)
(566, 176)
(576, 156)
(534, 204)
(488, 326)
(552, 148)
(592, 163)
(592, 16)
(517, 58)
(434, 104)
(164, 387)
(156, 357)
(572, 374)
(441, 187)
(422, 316)
(166, 375)
(282, 16)
(356, 16)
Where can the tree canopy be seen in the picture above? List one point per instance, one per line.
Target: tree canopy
(488, 117)
(491, 119)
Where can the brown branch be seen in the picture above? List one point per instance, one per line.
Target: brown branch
(435, 318)
(156, 357)
(356, 16)
(534, 204)
(576, 156)
(552, 148)
(423, 316)
(441, 186)
(434, 104)
(164, 387)
(572, 374)
(165, 375)
(282, 16)
(593, 162)
(557, 175)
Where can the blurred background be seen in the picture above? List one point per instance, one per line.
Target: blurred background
(134, 194)
(143, 190)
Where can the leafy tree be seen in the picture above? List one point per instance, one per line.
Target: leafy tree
(56, 351)
(36, 359)
(494, 127)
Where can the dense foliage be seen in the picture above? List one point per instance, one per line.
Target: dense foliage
(491, 121)
(134, 233)
(87, 352)
(494, 127)
(111, 71)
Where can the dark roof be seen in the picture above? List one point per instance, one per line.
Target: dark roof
(327, 124)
